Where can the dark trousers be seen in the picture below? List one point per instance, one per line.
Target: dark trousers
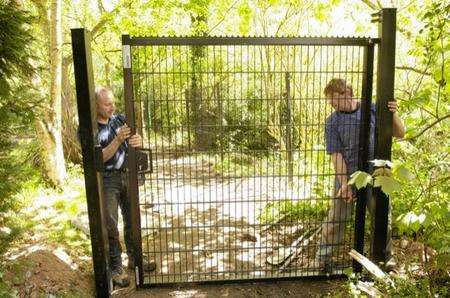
(115, 190)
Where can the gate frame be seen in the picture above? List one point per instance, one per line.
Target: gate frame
(132, 167)
(383, 131)
(363, 162)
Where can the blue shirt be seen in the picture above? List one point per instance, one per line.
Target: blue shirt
(342, 136)
(106, 134)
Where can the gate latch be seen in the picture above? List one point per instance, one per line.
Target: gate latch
(144, 160)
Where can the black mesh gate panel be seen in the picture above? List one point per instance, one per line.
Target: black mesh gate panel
(239, 184)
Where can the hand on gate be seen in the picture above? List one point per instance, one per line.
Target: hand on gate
(135, 141)
(392, 106)
(346, 193)
(123, 133)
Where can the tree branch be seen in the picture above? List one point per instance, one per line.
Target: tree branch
(100, 6)
(371, 5)
(223, 17)
(424, 72)
(98, 26)
(103, 21)
(284, 20)
(427, 128)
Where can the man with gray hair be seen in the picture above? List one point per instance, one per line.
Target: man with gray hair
(115, 136)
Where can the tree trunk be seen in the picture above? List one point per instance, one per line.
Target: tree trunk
(198, 107)
(49, 127)
(71, 145)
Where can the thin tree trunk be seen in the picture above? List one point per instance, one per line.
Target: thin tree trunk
(71, 145)
(49, 126)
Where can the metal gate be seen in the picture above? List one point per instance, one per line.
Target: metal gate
(239, 183)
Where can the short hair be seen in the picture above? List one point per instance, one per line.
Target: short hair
(337, 85)
(101, 90)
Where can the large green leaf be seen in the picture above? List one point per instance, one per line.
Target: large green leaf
(360, 179)
(411, 221)
(388, 184)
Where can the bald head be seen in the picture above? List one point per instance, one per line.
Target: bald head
(105, 103)
(102, 92)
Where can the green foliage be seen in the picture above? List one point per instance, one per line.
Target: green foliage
(421, 207)
(14, 46)
(19, 173)
(245, 14)
(405, 286)
(16, 102)
(387, 184)
(360, 179)
(402, 172)
(381, 177)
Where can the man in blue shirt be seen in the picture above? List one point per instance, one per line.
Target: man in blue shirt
(115, 136)
(342, 143)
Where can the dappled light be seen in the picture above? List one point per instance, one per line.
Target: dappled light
(256, 143)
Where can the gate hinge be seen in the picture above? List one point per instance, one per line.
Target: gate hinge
(126, 55)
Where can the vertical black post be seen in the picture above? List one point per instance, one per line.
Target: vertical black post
(87, 115)
(133, 188)
(364, 143)
(383, 131)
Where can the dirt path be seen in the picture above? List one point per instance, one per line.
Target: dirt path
(278, 289)
(199, 224)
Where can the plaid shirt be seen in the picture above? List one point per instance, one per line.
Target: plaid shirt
(106, 134)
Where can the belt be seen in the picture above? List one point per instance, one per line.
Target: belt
(111, 172)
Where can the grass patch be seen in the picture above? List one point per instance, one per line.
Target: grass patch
(293, 211)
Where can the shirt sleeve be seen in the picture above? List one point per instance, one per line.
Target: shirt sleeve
(332, 140)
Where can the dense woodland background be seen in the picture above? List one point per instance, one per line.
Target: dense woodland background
(38, 117)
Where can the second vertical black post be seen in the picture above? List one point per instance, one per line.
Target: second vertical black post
(364, 144)
(383, 130)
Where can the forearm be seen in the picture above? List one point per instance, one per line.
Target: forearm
(398, 129)
(111, 149)
(340, 168)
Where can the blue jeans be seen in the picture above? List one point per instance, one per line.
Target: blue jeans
(115, 192)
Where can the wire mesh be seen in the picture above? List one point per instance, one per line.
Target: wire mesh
(242, 186)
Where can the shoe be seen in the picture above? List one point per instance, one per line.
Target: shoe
(120, 277)
(148, 266)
